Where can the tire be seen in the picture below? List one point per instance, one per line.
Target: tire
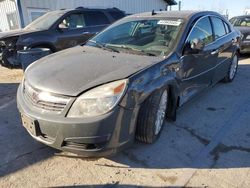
(232, 69)
(151, 116)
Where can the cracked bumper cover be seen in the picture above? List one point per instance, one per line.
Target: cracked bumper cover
(90, 137)
(8, 53)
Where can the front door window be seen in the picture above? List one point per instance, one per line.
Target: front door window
(73, 21)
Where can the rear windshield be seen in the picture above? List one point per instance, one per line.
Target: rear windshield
(241, 22)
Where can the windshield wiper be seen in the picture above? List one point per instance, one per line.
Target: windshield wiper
(123, 47)
(131, 48)
(103, 46)
(148, 53)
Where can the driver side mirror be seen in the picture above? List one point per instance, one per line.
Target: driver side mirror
(195, 46)
(62, 27)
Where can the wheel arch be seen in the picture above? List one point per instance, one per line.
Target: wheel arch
(173, 97)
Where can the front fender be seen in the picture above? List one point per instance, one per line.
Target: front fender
(144, 84)
(37, 39)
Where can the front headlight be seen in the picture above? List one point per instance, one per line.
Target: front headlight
(99, 100)
(248, 37)
(2, 44)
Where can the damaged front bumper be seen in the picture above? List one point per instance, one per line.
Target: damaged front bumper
(8, 52)
(88, 137)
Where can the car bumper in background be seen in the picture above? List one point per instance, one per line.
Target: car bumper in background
(245, 47)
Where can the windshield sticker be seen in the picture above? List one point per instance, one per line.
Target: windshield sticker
(169, 22)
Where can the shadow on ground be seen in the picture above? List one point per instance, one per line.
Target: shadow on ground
(115, 185)
(244, 56)
(211, 132)
(15, 142)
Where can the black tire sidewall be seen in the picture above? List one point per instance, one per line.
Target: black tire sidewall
(227, 78)
(150, 108)
(231, 79)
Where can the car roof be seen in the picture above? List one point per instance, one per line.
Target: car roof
(185, 14)
(88, 9)
(242, 16)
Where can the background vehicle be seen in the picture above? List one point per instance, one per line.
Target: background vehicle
(126, 80)
(242, 23)
(56, 30)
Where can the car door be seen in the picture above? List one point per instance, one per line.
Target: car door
(96, 21)
(198, 60)
(72, 31)
(224, 47)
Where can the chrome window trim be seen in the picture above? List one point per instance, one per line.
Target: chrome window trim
(209, 16)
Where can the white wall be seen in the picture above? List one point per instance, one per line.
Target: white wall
(130, 6)
(6, 6)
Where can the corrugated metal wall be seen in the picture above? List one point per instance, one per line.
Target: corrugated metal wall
(130, 6)
(8, 7)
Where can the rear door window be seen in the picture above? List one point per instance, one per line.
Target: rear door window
(227, 27)
(116, 14)
(219, 28)
(95, 18)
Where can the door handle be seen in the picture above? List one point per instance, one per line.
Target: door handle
(215, 52)
(86, 33)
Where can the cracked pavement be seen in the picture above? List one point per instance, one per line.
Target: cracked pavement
(208, 146)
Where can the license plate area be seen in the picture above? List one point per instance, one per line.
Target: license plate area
(29, 124)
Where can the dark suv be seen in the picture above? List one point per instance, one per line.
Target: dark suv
(56, 30)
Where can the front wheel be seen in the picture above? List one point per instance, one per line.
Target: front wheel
(151, 116)
(232, 69)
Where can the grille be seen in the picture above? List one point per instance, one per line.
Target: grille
(75, 145)
(44, 101)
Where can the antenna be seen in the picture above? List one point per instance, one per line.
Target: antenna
(153, 12)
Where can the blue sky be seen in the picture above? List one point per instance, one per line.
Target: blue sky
(234, 7)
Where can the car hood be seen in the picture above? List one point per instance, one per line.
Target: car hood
(72, 71)
(243, 30)
(14, 33)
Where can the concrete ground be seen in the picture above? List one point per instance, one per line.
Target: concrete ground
(208, 146)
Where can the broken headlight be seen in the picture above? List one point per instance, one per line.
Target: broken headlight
(2, 46)
(8, 43)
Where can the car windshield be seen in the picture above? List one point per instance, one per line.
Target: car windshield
(45, 21)
(241, 22)
(154, 37)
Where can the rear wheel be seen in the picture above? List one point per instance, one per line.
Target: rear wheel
(151, 116)
(232, 69)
